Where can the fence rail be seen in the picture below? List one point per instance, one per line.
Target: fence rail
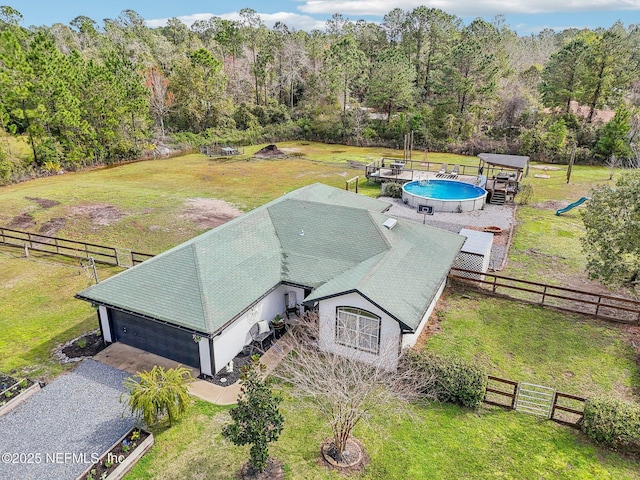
(493, 394)
(607, 307)
(566, 409)
(67, 248)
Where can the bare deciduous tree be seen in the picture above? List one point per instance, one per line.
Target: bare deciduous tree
(345, 390)
(161, 99)
(294, 64)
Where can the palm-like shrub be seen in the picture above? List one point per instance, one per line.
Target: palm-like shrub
(159, 392)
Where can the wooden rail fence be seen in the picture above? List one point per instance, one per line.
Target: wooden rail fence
(607, 307)
(71, 248)
(565, 409)
(351, 180)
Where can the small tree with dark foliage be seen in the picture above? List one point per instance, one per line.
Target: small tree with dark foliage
(256, 419)
(612, 233)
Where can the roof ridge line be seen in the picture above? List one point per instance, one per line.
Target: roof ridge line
(282, 251)
(205, 305)
(380, 227)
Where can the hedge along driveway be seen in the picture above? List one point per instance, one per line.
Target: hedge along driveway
(57, 433)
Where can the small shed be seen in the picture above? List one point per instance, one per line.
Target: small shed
(475, 253)
(228, 151)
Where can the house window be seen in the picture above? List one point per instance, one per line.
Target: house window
(358, 329)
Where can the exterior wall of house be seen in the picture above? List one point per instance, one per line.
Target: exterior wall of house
(204, 349)
(103, 315)
(410, 339)
(389, 331)
(233, 338)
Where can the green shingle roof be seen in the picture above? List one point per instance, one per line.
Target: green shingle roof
(404, 279)
(320, 240)
(318, 236)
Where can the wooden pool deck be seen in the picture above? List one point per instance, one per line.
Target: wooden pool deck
(397, 170)
(408, 175)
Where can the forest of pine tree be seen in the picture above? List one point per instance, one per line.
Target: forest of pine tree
(89, 93)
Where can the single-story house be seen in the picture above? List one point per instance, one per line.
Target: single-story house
(374, 281)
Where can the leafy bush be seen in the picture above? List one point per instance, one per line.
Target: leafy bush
(613, 423)
(6, 169)
(456, 380)
(256, 419)
(524, 194)
(392, 189)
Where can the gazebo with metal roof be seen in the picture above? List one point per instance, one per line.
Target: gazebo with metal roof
(504, 174)
(499, 161)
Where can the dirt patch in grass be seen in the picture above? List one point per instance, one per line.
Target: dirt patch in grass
(274, 471)
(99, 213)
(433, 326)
(44, 202)
(501, 238)
(51, 227)
(270, 151)
(209, 212)
(356, 165)
(545, 167)
(22, 221)
(633, 334)
(550, 205)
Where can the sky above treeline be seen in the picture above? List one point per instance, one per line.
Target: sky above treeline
(523, 16)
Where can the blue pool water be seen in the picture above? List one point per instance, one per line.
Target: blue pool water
(444, 189)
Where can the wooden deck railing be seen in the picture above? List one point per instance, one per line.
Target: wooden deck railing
(69, 248)
(419, 166)
(607, 307)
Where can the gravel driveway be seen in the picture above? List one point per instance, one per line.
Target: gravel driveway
(57, 433)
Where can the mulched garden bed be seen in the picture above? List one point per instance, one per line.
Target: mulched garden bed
(114, 457)
(12, 387)
(355, 458)
(274, 471)
(225, 379)
(82, 347)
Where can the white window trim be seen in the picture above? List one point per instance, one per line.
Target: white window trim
(361, 316)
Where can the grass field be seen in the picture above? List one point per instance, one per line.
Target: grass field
(148, 200)
(532, 344)
(546, 247)
(39, 312)
(436, 442)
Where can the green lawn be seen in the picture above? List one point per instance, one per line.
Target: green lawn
(39, 312)
(517, 341)
(149, 197)
(532, 344)
(546, 247)
(436, 442)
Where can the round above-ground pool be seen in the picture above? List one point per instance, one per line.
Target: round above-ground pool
(444, 195)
